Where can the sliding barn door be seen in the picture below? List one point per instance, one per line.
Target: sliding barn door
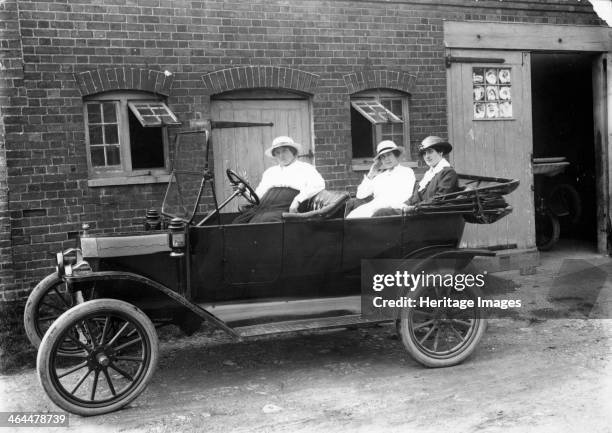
(489, 98)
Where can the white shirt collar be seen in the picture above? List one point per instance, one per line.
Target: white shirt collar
(443, 163)
(429, 174)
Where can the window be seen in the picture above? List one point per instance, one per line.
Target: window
(378, 115)
(126, 138)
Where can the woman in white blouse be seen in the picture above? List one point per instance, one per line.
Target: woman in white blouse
(284, 186)
(388, 183)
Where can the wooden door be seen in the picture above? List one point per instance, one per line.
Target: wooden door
(242, 149)
(494, 146)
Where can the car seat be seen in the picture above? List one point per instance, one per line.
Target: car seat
(323, 205)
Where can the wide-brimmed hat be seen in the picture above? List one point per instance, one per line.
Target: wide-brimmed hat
(437, 143)
(280, 142)
(387, 146)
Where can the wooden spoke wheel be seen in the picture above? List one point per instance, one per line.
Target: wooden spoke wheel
(439, 336)
(118, 352)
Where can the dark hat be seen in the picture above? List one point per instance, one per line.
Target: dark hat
(437, 143)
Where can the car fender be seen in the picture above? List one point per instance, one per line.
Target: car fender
(423, 257)
(465, 254)
(429, 255)
(176, 297)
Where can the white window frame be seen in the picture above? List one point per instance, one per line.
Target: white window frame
(364, 164)
(124, 174)
(136, 107)
(374, 111)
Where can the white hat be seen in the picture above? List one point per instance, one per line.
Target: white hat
(387, 146)
(281, 142)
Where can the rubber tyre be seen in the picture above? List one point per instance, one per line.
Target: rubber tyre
(548, 230)
(33, 328)
(430, 358)
(56, 334)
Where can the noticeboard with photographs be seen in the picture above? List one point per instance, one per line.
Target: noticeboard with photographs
(492, 93)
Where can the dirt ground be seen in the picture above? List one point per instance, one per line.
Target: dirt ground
(531, 373)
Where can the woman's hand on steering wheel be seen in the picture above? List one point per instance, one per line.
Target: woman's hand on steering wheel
(242, 185)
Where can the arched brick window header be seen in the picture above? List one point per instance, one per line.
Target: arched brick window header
(376, 79)
(104, 80)
(252, 77)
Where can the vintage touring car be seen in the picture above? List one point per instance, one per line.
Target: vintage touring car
(94, 319)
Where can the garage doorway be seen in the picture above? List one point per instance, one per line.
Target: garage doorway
(563, 148)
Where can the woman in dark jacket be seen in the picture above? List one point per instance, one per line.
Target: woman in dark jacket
(441, 178)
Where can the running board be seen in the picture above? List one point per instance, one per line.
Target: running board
(304, 325)
(241, 311)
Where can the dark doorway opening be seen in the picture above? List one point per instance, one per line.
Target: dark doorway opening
(562, 110)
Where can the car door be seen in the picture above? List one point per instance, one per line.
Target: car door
(371, 238)
(312, 248)
(252, 253)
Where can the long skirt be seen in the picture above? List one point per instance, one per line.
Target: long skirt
(370, 208)
(271, 207)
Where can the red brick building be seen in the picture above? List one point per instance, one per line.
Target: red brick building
(75, 147)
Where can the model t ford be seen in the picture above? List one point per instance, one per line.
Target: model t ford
(94, 319)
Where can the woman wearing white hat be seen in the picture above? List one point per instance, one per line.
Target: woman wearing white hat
(441, 178)
(284, 186)
(388, 183)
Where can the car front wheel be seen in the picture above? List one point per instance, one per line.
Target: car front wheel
(118, 353)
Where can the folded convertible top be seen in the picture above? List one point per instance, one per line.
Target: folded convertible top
(480, 199)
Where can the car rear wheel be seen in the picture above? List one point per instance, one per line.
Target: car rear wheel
(438, 336)
(118, 355)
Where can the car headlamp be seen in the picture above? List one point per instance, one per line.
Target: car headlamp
(152, 220)
(176, 237)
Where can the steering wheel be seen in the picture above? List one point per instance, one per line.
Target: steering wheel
(245, 189)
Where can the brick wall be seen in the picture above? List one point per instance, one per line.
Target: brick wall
(11, 97)
(42, 105)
